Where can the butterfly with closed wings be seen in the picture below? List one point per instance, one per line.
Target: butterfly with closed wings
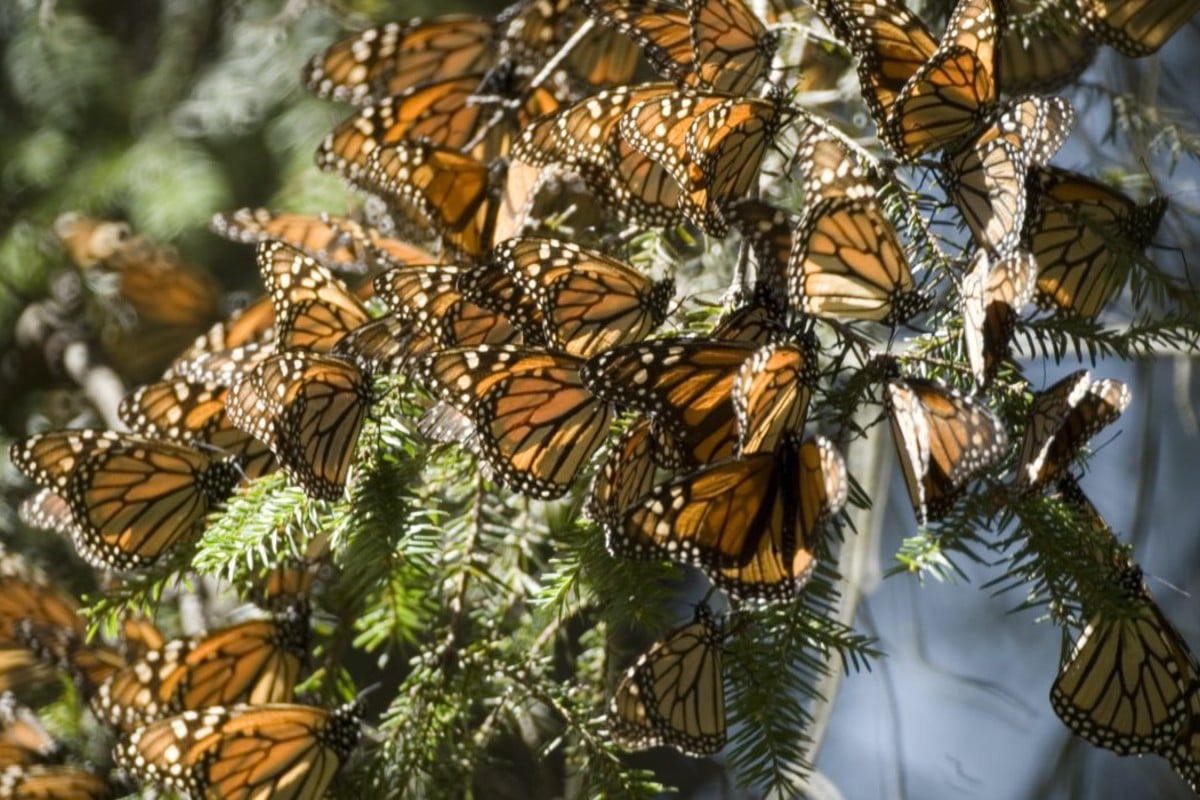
(674, 693)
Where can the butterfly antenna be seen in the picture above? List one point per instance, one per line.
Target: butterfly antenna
(1184, 592)
(567, 47)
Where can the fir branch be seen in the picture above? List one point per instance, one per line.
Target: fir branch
(774, 658)
(261, 524)
(1062, 561)
(1055, 336)
(581, 575)
(387, 543)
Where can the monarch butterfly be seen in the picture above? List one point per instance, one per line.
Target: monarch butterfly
(448, 113)
(589, 302)
(847, 261)
(270, 750)
(53, 782)
(770, 396)
(308, 409)
(674, 693)
(536, 424)
(27, 593)
(1042, 48)
(942, 438)
(948, 96)
(428, 295)
(725, 147)
(751, 523)
(1124, 686)
(391, 58)
(586, 136)
(132, 499)
(717, 45)
(987, 177)
(253, 662)
(313, 309)
(992, 296)
(1084, 235)
(891, 45)
(89, 663)
(712, 145)
(625, 476)
(1061, 421)
(22, 671)
(732, 49)
(1136, 28)
(443, 190)
(23, 738)
(159, 287)
(922, 94)
(337, 242)
(685, 386)
(189, 413)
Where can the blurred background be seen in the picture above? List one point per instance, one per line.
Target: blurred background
(160, 113)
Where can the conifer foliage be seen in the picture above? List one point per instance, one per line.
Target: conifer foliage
(543, 432)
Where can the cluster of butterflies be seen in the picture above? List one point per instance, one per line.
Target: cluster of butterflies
(205, 715)
(533, 348)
